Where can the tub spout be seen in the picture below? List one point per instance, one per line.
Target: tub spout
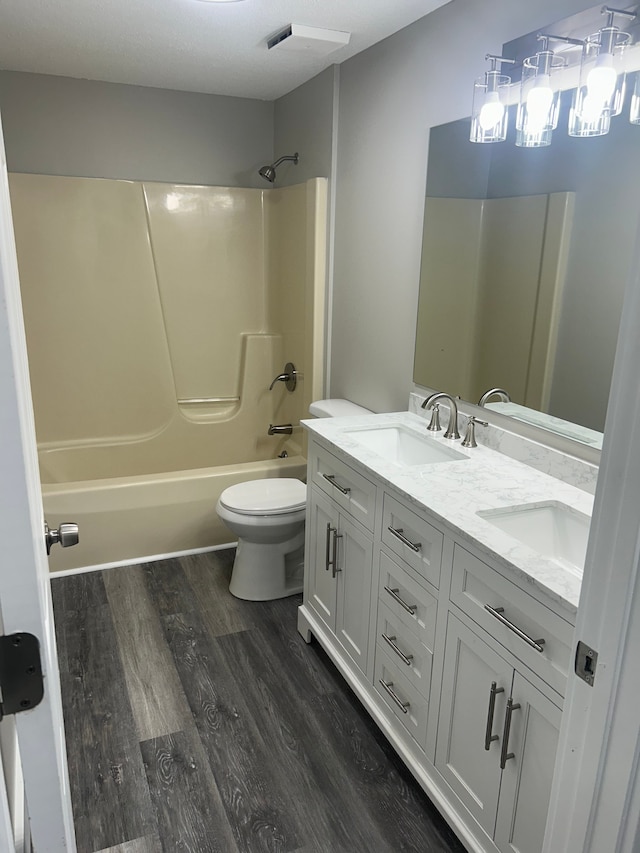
(280, 429)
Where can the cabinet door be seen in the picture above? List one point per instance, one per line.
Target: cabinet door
(470, 668)
(354, 560)
(526, 780)
(323, 586)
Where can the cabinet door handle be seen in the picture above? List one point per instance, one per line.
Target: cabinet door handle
(334, 562)
(505, 755)
(392, 642)
(332, 479)
(498, 611)
(327, 561)
(489, 737)
(410, 608)
(388, 686)
(398, 532)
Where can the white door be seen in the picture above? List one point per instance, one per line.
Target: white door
(354, 556)
(475, 685)
(322, 523)
(25, 597)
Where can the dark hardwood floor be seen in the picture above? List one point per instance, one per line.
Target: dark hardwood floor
(199, 723)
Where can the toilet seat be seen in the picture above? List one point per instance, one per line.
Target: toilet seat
(265, 497)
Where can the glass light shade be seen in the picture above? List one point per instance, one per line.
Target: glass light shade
(539, 105)
(601, 90)
(634, 114)
(489, 114)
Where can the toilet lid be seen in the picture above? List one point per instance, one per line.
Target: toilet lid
(265, 497)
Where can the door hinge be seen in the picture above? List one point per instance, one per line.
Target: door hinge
(20, 673)
(586, 661)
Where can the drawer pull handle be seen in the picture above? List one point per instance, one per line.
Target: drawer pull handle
(392, 642)
(332, 479)
(410, 608)
(404, 706)
(398, 532)
(498, 611)
(489, 737)
(505, 755)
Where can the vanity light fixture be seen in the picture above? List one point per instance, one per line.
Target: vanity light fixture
(539, 105)
(489, 112)
(601, 89)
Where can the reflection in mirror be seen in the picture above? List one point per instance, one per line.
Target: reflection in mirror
(526, 254)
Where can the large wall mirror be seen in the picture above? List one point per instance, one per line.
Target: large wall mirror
(526, 256)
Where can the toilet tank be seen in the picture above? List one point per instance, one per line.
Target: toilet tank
(336, 409)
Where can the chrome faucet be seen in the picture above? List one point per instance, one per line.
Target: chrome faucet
(494, 392)
(452, 428)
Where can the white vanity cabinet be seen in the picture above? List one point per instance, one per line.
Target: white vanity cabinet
(462, 663)
(339, 555)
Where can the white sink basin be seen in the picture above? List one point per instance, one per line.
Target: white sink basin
(551, 528)
(403, 446)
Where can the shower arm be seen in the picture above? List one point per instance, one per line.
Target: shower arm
(292, 157)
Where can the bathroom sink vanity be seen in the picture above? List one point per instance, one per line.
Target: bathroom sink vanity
(453, 631)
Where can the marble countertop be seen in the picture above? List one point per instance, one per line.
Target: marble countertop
(455, 491)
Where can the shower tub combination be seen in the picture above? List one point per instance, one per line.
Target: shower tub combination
(156, 317)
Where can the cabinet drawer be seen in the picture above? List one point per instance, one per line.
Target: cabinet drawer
(348, 488)
(474, 585)
(410, 603)
(405, 649)
(409, 706)
(417, 543)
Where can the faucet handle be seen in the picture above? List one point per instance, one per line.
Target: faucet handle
(434, 423)
(469, 439)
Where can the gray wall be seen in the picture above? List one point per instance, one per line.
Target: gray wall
(304, 123)
(389, 97)
(62, 126)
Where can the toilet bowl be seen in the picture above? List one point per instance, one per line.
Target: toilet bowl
(267, 516)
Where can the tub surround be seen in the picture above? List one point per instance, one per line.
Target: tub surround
(156, 317)
(455, 491)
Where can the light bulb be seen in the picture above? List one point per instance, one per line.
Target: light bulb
(492, 112)
(601, 80)
(539, 102)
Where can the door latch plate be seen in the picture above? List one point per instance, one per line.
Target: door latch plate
(586, 662)
(20, 673)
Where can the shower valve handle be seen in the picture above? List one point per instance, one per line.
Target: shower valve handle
(289, 376)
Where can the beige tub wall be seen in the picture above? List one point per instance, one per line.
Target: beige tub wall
(98, 356)
(296, 252)
(131, 423)
(208, 246)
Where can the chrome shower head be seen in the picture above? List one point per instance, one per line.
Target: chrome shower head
(269, 172)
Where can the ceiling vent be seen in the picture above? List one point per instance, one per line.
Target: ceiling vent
(312, 40)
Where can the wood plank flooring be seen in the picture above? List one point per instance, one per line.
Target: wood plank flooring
(198, 723)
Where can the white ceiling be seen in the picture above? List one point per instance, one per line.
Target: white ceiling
(191, 45)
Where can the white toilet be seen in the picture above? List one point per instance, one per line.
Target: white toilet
(268, 516)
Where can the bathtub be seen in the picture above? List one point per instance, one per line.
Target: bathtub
(145, 515)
